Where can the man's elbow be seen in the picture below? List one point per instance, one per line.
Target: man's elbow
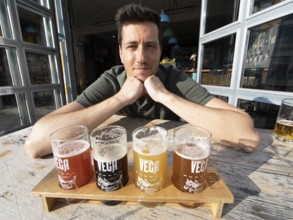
(34, 149)
(250, 144)
(31, 150)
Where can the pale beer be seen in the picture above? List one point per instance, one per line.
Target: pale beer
(150, 170)
(150, 158)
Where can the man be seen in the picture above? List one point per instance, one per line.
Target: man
(193, 59)
(143, 88)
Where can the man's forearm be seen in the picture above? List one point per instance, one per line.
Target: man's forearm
(226, 125)
(38, 143)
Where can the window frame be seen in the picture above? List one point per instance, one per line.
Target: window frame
(241, 27)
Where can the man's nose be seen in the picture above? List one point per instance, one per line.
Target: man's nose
(141, 55)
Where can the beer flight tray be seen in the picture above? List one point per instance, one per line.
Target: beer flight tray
(214, 196)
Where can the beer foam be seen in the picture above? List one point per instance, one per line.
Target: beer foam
(193, 151)
(286, 122)
(71, 148)
(109, 152)
(150, 147)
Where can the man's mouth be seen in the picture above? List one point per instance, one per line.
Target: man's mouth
(141, 68)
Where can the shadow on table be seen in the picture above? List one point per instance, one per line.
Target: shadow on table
(236, 166)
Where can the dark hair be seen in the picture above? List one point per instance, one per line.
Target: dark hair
(136, 13)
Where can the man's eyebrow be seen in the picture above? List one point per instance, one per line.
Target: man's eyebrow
(131, 42)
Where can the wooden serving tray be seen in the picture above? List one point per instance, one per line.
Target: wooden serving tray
(215, 195)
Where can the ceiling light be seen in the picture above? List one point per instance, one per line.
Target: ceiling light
(168, 32)
(164, 17)
(173, 40)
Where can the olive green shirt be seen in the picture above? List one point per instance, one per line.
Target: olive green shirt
(175, 81)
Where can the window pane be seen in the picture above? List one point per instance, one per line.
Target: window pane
(9, 114)
(42, 2)
(217, 61)
(39, 68)
(221, 13)
(32, 27)
(264, 115)
(5, 76)
(259, 5)
(269, 58)
(44, 103)
(9, 74)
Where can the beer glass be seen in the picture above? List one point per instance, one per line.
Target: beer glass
(109, 145)
(284, 125)
(190, 158)
(150, 158)
(72, 155)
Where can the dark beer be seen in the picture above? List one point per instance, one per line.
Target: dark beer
(73, 163)
(190, 162)
(111, 169)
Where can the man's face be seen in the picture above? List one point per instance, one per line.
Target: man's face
(140, 49)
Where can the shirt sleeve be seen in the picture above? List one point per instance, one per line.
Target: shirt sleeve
(185, 87)
(104, 87)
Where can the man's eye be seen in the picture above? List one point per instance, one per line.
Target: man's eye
(131, 46)
(151, 46)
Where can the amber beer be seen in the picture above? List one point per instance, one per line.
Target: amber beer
(190, 158)
(189, 170)
(74, 167)
(109, 145)
(72, 155)
(111, 168)
(150, 158)
(284, 125)
(284, 130)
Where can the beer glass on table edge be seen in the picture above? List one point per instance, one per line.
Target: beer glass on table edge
(150, 158)
(190, 158)
(72, 155)
(109, 145)
(284, 125)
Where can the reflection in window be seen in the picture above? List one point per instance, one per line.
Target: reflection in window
(5, 76)
(269, 60)
(39, 68)
(259, 5)
(9, 114)
(221, 13)
(264, 115)
(42, 2)
(44, 103)
(217, 61)
(32, 27)
(9, 74)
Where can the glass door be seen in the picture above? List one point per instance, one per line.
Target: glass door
(31, 83)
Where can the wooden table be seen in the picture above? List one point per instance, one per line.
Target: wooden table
(261, 182)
